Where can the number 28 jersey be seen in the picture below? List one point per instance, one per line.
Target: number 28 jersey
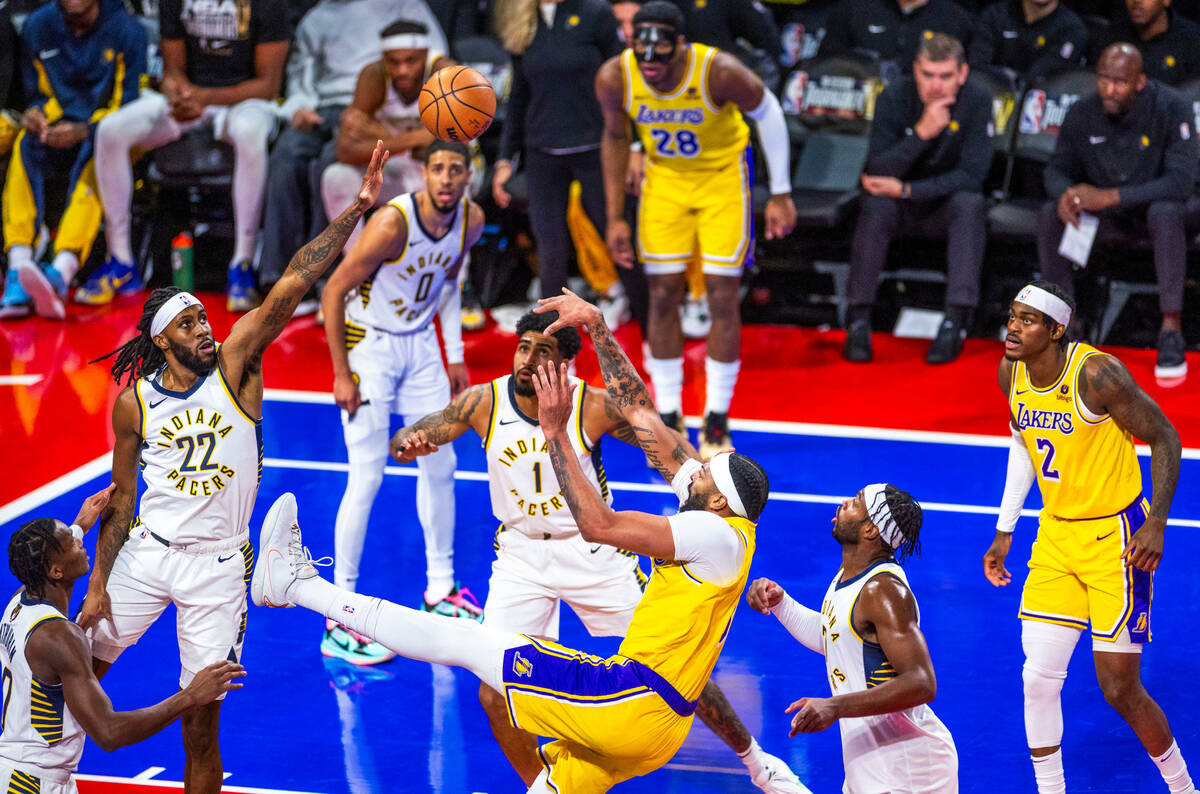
(684, 130)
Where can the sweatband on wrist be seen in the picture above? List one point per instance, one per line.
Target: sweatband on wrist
(171, 309)
(776, 148)
(1018, 479)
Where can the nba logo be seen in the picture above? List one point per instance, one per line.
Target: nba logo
(1031, 113)
(793, 92)
(793, 43)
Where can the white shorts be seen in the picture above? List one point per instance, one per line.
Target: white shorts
(206, 583)
(530, 576)
(907, 752)
(25, 779)
(396, 374)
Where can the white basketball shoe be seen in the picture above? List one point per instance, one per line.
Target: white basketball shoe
(282, 557)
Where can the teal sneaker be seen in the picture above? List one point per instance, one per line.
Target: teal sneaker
(459, 603)
(342, 643)
(15, 304)
(46, 288)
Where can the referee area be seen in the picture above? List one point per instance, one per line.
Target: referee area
(822, 428)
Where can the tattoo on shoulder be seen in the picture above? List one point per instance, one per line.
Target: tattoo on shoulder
(1106, 378)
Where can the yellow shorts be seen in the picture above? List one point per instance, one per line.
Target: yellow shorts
(705, 212)
(613, 718)
(1077, 576)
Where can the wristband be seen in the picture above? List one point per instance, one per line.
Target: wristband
(76, 531)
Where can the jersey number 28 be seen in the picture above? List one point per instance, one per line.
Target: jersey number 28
(682, 143)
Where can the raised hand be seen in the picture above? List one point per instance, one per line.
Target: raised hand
(572, 311)
(92, 508)
(554, 390)
(96, 606)
(373, 179)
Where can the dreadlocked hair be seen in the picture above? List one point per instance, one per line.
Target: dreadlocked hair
(751, 482)
(29, 552)
(907, 514)
(140, 356)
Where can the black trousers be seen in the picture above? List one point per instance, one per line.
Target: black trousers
(294, 214)
(960, 217)
(1165, 223)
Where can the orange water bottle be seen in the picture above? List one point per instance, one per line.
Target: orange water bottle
(181, 261)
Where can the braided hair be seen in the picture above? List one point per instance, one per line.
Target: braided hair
(140, 356)
(751, 482)
(29, 552)
(907, 514)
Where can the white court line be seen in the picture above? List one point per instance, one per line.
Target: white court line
(171, 784)
(19, 380)
(57, 487)
(149, 773)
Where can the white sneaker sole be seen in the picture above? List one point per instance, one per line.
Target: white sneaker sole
(1162, 373)
(45, 300)
(272, 540)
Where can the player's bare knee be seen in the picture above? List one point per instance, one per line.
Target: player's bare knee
(1121, 690)
(666, 293)
(200, 736)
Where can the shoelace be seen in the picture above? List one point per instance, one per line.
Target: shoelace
(300, 553)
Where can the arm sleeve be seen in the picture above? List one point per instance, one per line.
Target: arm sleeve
(801, 622)
(1178, 173)
(707, 545)
(776, 148)
(512, 138)
(1017, 482)
(893, 148)
(973, 161)
(750, 20)
(450, 316)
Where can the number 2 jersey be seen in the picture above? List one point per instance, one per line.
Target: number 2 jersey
(201, 459)
(39, 732)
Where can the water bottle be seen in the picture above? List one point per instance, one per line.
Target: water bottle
(181, 261)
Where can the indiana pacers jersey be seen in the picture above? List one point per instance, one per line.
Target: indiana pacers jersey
(39, 732)
(526, 496)
(684, 130)
(201, 459)
(907, 750)
(681, 623)
(1086, 465)
(403, 294)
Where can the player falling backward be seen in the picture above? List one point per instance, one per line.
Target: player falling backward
(51, 696)
(616, 718)
(190, 420)
(541, 559)
(379, 306)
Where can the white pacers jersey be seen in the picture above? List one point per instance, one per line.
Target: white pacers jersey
(526, 496)
(403, 294)
(39, 732)
(904, 751)
(201, 459)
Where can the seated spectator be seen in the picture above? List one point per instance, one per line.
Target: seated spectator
(80, 60)
(726, 24)
(1169, 43)
(11, 102)
(929, 152)
(384, 108)
(222, 66)
(1033, 38)
(1128, 155)
(893, 29)
(336, 40)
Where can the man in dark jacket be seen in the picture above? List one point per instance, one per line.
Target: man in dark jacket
(1033, 38)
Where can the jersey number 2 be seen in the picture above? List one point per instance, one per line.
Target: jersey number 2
(203, 440)
(682, 143)
(1048, 471)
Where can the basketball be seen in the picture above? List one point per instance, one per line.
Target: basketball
(457, 104)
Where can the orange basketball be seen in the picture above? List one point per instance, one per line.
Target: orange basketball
(457, 104)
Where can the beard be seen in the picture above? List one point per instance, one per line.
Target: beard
(846, 532)
(523, 389)
(190, 360)
(695, 501)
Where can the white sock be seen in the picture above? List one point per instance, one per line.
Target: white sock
(19, 256)
(752, 757)
(67, 265)
(721, 377)
(666, 375)
(1173, 769)
(1048, 772)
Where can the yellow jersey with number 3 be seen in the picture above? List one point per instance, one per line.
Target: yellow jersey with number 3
(1086, 464)
(684, 130)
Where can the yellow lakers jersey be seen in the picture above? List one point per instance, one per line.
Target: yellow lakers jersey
(681, 623)
(684, 130)
(1086, 465)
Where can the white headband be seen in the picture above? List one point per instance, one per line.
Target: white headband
(881, 515)
(719, 466)
(171, 309)
(405, 41)
(1043, 301)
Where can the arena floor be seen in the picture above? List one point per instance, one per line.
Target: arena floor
(821, 427)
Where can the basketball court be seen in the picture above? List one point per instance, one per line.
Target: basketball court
(821, 427)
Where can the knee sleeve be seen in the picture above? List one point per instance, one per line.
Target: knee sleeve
(1048, 649)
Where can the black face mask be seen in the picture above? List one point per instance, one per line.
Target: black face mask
(651, 35)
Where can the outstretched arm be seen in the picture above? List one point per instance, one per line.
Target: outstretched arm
(259, 328)
(804, 624)
(470, 409)
(625, 387)
(1105, 386)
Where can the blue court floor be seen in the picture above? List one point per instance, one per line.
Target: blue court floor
(304, 723)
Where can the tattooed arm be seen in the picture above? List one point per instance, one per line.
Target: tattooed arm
(114, 530)
(471, 409)
(601, 416)
(1106, 387)
(242, 350)
(598, 523)
(625, 387)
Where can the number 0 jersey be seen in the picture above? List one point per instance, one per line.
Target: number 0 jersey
(1086, 465)
(201, 459)
(684, 130)
(525, 492)
(402, 295)
(38, 732)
